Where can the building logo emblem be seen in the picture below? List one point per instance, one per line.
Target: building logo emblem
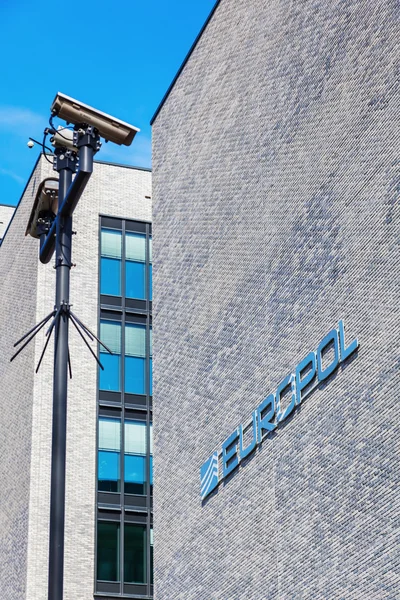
(209, 475)
(315, 368)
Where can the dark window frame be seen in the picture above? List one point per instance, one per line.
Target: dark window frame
(112, 507)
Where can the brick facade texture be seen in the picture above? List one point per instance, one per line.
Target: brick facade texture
(27, 295)
(276, 181)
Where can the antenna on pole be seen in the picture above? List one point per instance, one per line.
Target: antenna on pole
(51, 222)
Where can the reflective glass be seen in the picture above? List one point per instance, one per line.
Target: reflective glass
(135, 554)
(135, 340)
(135, 437)
(111, 243)
(135, 247)
(135, 280)
(110, 276)
(135, 369)
(109, 454)
(110, 377)
(135, 474)
(110, 335)
(108, 551)
(135, 457)
(108, 472)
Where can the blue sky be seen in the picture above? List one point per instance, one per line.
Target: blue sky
(118, 56)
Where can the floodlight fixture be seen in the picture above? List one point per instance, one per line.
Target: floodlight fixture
(110, 128)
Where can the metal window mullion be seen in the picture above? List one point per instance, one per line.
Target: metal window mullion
(97, 408)
(147, 284)
(122, 466)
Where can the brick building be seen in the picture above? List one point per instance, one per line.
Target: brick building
(108, 534)
(276, 215)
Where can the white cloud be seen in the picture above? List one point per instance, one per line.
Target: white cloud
(20, 120)
(13, 175)
(137, 155)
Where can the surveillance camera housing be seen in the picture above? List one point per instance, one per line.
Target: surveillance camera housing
(64, 138)
(30, 144)
(44, 208)
(109, 127)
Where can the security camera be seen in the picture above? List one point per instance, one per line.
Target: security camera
(30, 144)
(63, 138)
(44, 209)
(109, 127)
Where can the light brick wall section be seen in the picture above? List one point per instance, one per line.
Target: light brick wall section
(114, 191)
(276, 213)
(18, 268)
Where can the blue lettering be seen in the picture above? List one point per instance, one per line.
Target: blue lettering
(246, 451)
(289, 381)
(345, 352)
(328, 339)
(310, 359)
(264, 422)
(230, 453)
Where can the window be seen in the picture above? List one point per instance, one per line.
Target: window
(135, 359)
(110, 263)
(108, 545)
(135, 255)
(109, 454)
(134, 550)
(124, 562)
(135, 554)
(110, 335)
(135, 457)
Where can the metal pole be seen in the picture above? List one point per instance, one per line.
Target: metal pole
(60, 383)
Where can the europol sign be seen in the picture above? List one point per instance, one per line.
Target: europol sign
(269, 414)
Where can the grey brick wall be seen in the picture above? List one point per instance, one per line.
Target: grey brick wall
(276, 213)
(17, 314)
(114, 191)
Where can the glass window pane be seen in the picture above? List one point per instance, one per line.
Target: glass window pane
(108, 472)
(135, 437)
(135, 554)
(110, 377)
(150, 282)
(110, 276)
(150, 250)
(109, 434)
(135, 375)
(108, 551)
(151, 470)
(110, 335)
(111, 243)
(135, 340)
(134, 280)
(135, 474)
(135, 247)
(151, 342)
